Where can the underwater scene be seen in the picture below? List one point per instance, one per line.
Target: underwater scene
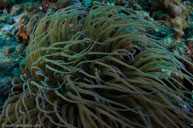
(96, 63)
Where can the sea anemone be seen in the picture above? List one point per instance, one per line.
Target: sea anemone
(98, 69)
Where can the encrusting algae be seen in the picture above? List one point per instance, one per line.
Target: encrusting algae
(98, 69)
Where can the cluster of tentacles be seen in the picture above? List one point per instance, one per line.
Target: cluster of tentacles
(98, 69)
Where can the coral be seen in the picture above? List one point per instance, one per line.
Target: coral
(98, 69)
(9, 3)
(31, 9)
(4, 90)
(56, 4)
(3, 3)
(46, 3)
(174, 13)
(9, 50)
(189, 53)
